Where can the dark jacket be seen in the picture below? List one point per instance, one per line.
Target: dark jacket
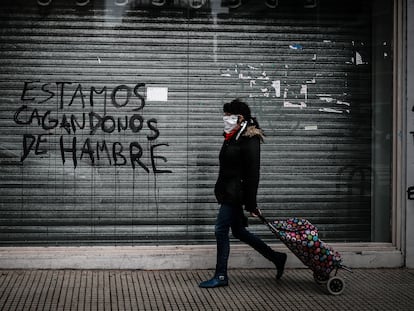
(239, 172)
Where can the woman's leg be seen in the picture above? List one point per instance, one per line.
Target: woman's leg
(221, 231)
(241, 233)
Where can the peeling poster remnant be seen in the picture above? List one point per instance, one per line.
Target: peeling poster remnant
(262, 84)
(295, 47)
(276, 86)
(287, 104)
(330, 110)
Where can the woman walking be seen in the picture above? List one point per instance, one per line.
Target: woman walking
(236, 188)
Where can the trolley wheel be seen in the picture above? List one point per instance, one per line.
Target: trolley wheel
(335, 285)
(320, 279)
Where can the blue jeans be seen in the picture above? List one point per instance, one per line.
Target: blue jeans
(232, 217)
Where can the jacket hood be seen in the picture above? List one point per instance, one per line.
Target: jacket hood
(251, 131)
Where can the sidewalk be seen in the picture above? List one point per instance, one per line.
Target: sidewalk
(255, 289)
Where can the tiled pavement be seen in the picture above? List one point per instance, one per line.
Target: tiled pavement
(257, 289)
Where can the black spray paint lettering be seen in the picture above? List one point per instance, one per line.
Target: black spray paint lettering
(71, 123)
(410, 193)
(116, 153)
(121, 95)
(33, 142)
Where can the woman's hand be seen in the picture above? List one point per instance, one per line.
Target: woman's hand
(256, 213)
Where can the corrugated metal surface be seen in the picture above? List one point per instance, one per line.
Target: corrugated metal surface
(305, 73)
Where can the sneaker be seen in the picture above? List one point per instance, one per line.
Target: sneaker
(217, 281)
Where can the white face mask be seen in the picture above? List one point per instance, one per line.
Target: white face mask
(230, 123)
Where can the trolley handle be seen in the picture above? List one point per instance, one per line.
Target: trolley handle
(268, 224)
(275, 230)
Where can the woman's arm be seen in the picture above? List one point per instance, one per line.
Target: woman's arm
(250, 153)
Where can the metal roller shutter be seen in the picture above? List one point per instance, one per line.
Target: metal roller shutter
(80, 76)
